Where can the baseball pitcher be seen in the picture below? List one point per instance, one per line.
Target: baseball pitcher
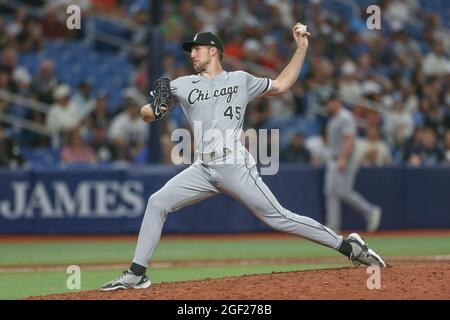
(217, 99)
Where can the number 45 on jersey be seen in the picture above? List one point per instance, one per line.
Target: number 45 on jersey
(231, 112)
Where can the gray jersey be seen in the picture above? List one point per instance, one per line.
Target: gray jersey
(217, 105)
(338, 127)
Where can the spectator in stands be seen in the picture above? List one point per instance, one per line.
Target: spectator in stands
(9, 59)
(435, 63)
(317, 146)
(22, 79)
(406, 49)
(356, 46)
(4, 37)
(446, 102)
(259, 114)
(16, 26)
(76, 150)
(348, 83)
(373, 151)
(10, 154)
(82, 101)
(234, 47)
(398, 12)
(5, 148)
(127, 132)
(252, 50)
(431, 90)
(169, 66)
(427, 152)
(320, 74)
(271, 57)
(45, 82)
(410, 99)
(6, 81)
(103, 149)
(30, 38)
(99, 122)
(296, 151)
(53, 21)
(140, 80)
(61, 118)
(283, 107)
(399, 124)
(186, 15)
(210, 12)
(388, 68)
(36, 140)
(99, 116)
(138, 11)
(447, 146)
(403, 152)
(431, 115)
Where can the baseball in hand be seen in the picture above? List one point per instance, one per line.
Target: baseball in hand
(147, 113)
(301, 28)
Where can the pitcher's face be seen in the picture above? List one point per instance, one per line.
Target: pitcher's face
(201, 57)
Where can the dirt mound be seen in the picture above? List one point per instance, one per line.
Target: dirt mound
(400, 281)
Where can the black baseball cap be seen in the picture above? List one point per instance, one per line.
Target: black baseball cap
(206, 39)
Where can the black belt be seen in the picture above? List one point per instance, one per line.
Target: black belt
(214, 155)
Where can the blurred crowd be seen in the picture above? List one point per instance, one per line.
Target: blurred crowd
(402, 71)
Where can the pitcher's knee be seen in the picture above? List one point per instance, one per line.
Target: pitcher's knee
(157, 203)
(156, 207)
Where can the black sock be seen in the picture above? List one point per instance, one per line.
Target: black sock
(137, 269)
(345, 248)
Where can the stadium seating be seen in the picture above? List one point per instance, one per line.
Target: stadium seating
(78, 60)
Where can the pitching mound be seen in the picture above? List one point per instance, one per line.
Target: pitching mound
(400, 281)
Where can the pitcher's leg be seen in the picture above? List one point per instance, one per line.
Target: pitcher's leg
(333, 212)
(188, 187)
(332, 201)
(251, 191)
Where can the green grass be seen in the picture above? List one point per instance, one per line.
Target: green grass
(20, 285)
(47, 253)
(411, 246)
(116, 252)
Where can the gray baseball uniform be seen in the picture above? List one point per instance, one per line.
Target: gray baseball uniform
(218, 104)
(339, 185)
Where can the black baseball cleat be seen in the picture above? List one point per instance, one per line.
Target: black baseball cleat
(128, 280)
(362, 254)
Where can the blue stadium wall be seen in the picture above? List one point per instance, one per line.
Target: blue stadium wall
(101, 200)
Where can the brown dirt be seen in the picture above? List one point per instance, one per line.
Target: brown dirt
(399, 281)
